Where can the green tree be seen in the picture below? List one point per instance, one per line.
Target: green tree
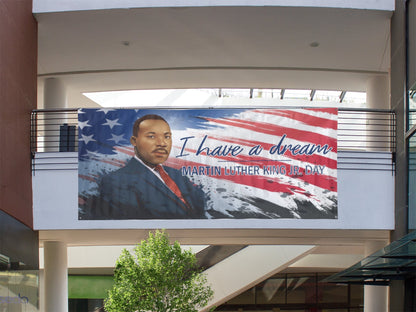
(158, 277)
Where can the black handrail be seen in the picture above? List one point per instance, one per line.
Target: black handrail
(56, 130)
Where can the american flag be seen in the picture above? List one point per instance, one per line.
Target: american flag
(252, 163)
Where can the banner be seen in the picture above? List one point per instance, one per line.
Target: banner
(207, 164)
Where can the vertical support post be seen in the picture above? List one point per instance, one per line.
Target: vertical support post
(55, 276)
(55, 97)
(54, 94)
(378, 97)
(375, 297)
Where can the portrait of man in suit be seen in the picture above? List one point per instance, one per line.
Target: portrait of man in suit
(145, 188)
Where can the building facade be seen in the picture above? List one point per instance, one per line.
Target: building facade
(57, 55)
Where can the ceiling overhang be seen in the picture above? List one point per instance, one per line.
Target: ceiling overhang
(213, 46)
(42, 6)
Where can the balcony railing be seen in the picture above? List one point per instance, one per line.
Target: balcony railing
(358, 130)
(412, 118)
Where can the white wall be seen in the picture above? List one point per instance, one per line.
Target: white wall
(365, 199)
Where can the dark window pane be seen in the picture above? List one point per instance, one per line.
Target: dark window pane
(272, 291)
(95, 304)
(357, 295)
(298, 293)
(301, 288)
(332, 293)
(78, 305)
(246, 297)
(412, 108)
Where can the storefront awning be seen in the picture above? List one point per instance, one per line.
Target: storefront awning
(396, 261)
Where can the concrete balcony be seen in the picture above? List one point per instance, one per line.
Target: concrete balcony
(365, 177)
(365, 198)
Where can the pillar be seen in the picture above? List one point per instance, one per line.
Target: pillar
(54, 93)
(378, 97)
(375, 297)
(55, 276)
(54, 98)
(378, 92)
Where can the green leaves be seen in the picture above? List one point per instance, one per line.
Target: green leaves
(158, 277)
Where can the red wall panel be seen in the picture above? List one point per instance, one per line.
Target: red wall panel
(18, 69)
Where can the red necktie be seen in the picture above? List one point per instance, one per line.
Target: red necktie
(170, 183)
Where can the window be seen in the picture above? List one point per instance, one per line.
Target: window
(298, 292)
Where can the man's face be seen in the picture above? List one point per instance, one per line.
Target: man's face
(153, 141)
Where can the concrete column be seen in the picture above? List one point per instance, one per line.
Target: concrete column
(375, 297)
(378, 92)
(54, 93)
(378, 97)
(54, 97)
(55, 276)
(41, 291)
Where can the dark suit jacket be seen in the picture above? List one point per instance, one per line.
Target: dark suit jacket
(134, 192)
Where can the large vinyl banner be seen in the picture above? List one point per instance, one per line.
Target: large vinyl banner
(207, 163)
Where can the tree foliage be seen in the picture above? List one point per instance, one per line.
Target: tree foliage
(158, 277)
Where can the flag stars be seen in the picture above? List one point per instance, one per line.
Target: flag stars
(83, 124)
(111, 123)
(87, 138)
(116, 138)
(105, 110)
(89, 154)
(92, 154)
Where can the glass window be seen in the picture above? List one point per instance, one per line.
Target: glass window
(267, 93)
(272, 291)
(356, 296)
(297, 94)
(358, 99)
(412, 108)
(332, 293)
(19, 291)
(301, 288)
(244, 93)
(77, 305)
(298, 292)
(247, 297)
(332, 96)
(85, 305)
